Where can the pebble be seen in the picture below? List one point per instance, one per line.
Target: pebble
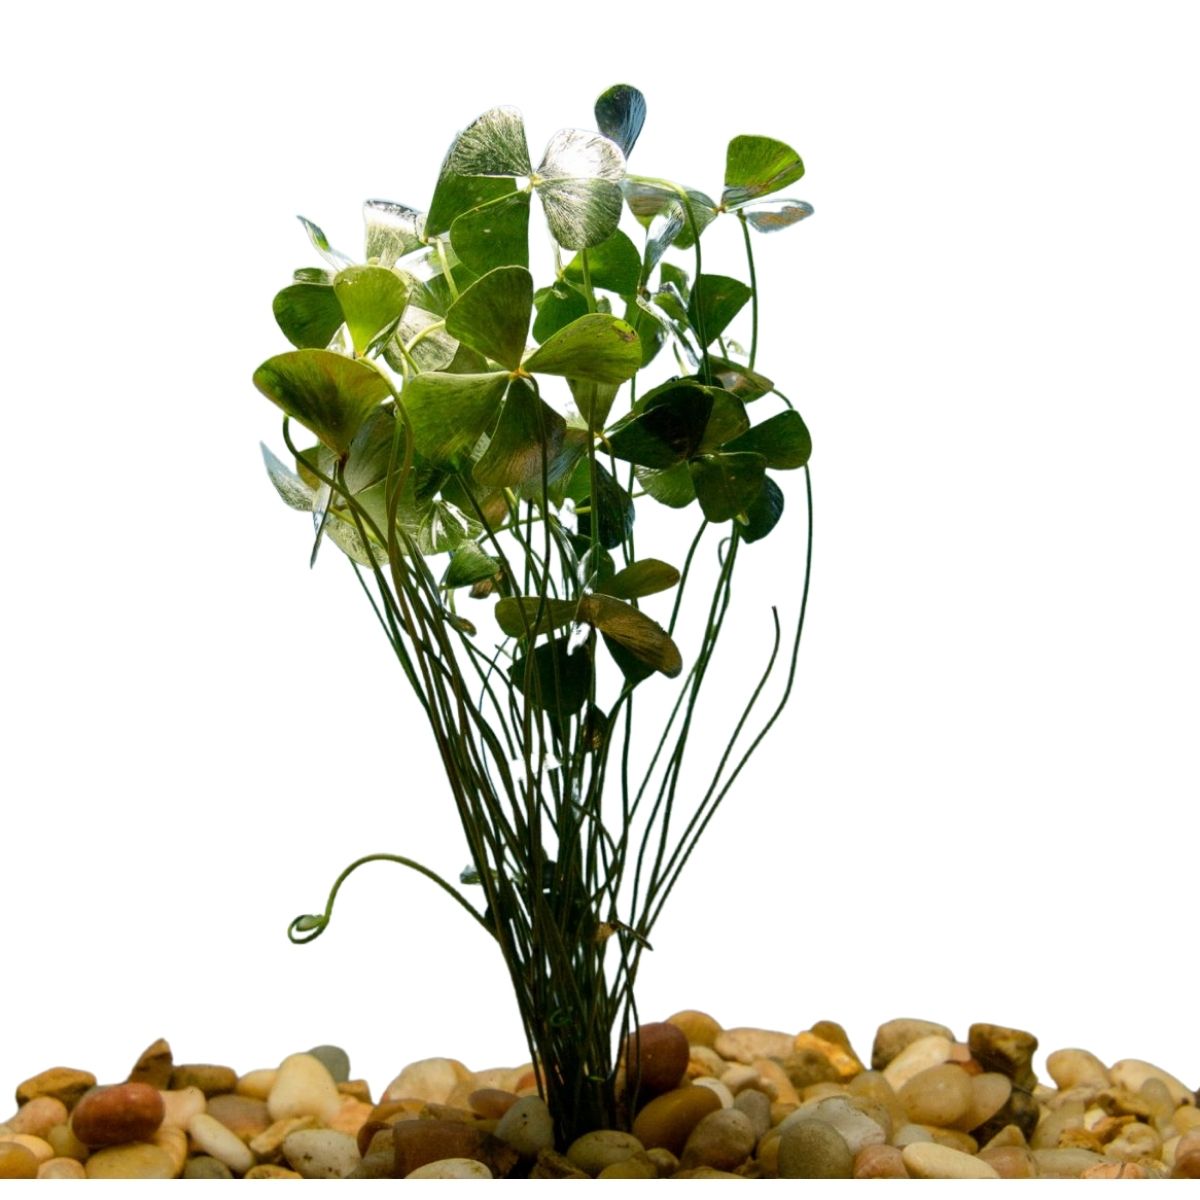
(723, 1093)
(61, 1168)
(657, 1055)
(928, 1160)
(939, 1095)
(1010, 1162)
(842, 1059)
(17, 1161)
(846, 1116)
(636, 1166)
(723, 1139)
(1133, 1142)
(132, 1160)
(204, 1166)
(739, 1077)
(214, 1138)
(805, 1068)
(63, 1083)
(321, 1153)
(154, 1066)
(744, 1045)
(452, 1168)
(894, 1036)
(429, 1079)
(303, 1087)
(699, 1028)
(669, 1119)
(990, 1092)
(757, 1106)
(212, 1080)
(418, 1142)
(1000, 1048)
(813, 1150)
(1077, 1068)
(592, 1152)
(257, 1084)
(38, 1147)
(271, 1171)
(1131, 1073)
(269, 1143)
(919, 1055)
(527, 1127)
(1064, 1164)
(65, 1143)
(181, 1106)
(175, 1143)
(879, 1162)
(242, 1115)
(38, 1116)
(552, 1165)
(122, 1112)
(335, 1060)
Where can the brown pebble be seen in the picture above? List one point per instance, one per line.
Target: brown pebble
(17, 1162)
(121, 1112)
(419, 1142)
(1187, 1166)
(1009, 1051)
(360, 1089)
(656, 1057)
(240, 1114)
(154, 1066)
(1115, 1170)
(552, 1165)
(492, 1103)
(63, 1083)
(1010, 1162)
(669, 1119)
(879, 1162)
(211, 1080)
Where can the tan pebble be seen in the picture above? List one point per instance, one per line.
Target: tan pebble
(842, 1060)
(154, 1066)
(1008, 1135)
(321, 1153)
(723, 1093)
(360, 1089)
(181, 1106)
(303, 1087)
(927, 1160)
(1064, 1164)
(17, 1161)
(257, 1084)
(1114, 1170)
(1071, 1068)
(122, 1112)
(210, 1078)
(820, 1091)
(429, 1079)
(492, 1102)
(527, 1127)
(552, 1165)
(592, 1152)
(504, 1078)
(780, 1111)
(65, 1143)
(63, 1083)
(1186, 1119)
(1133, 1142)
(939, 1095)
(243, 1115)
(703, 1061)
(269, 1143)
(38, 1116)
(723, 1139)
(813, 1150)
(704, 1173)
(1188, 1141)
(1131, 1073)
(954, 1138)
(665, 1163)
(990, 1092)
(766, 1153)
(451, 1168)
(930, 1051)
(907, 1135)
(1119, 1101)
(669, 1119)
(61, 1168)
(636, 1166)
(738, 1077)
(1004, 1049)
(698, 1027)
(1186, 1166)
(894, 1036)
(879, 1162)
(133, 1160)
(1010, 1162)
(1051, 1127)
(271, 1171)
(175, 1143)
(220, 1143)
(847, 1117)
(38, 1147)
(774, 1081)
(351, 1117)
(744, 1044)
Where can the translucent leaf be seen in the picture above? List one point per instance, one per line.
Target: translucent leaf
(327, 393)
(597, 346)
(578, 181)
(450, 413)
(456, 194)
(494, 235)
(668, 432)
(317, 236)
(434, 352)
(294, 492)
(309, 314)
(727, 484)
(643, 578)
(493, 144)
(526, 440)
(557, 307)
(468, 565)
(632, 629)
(345, 536)
(492, 315)
(445, 527)
(664, 229)
(620, 114)
(372, 299)
(523, 616)
(714, 302)
(649, 200)
(593, 400)
(776, 214)
(393, 230)
(744, 383)
(672, 487)
(677, 279)
(614, 265)
(757, 166)
(783, 440)
(763, 514)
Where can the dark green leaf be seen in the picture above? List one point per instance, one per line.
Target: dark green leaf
(594, 400)
(579, 183)
(620, 114)
(643, 578)
(371, 450)
(317, 236)
(772, 215)
(783, 440)
(610, 505)
(445, 527)
(557, 307)
(527, 438)
(561, 682)
(614, 265)
(393, 230)
(372, 299)
(763, 514)
(727, 484)
(597, 346)
(727, 421)
(677, 279)
(492, 315)
(672, 487)
(669, 429)
(456, 194)
(524, 616)
(715, 301)
(488, 505)
(757, 166)
(650, 331)
(494, 235)
(744, 383)
(468, 565)
(293, 491)
(309, 314)
(493, 144)
(327, 393)
(450, 413)
(636, 632)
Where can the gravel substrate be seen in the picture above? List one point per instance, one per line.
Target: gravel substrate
(712, 1103)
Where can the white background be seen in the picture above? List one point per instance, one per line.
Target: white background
(982, 803)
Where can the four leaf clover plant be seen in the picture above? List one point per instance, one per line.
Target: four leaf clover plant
(476, 461)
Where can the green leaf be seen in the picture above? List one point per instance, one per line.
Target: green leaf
(651, 202)
(615, 265)
(677, 279)
(309, 314)
(672, 487)
(610, 505)
(494, 235)
(642, 578)
(468, 565)
(763, 514)
(450, 413)
(650, 331)
(783, 440)
(579, 183)
(493, 144)
(727, 421)
(594, 400)
(557, 307)
(620, 114)
(757, 166)
(745, 384)
(668, 430)
(372, 299)
(523, 616)
(662, 234)
(561, 681)
(327, 393)
(527, 438)
(773, 215)
(371, 450)
(715, 301)
(645, 639)
(393, 230)
(312, 275)
(492, 315)
(597, 346)
(316, 235)
(456, 194)
(445, 527)
(727, 484)
(293, 491)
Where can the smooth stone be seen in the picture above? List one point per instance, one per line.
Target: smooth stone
(242, 1115)
(1132, 1073)
(939, 1095)
(335, 1060)
(211, 1079)
(842, 1059)
(552, 1165)
(38, 1116)
(303, 1087)
(1001, 1048)
(774, 1081)
(1009, 1135)
(704, 1173)
(990, 1092)
(745, 1044)
(181, 1106)
(879, 1162)
(154, 1066)
(723, 1093)
(360, 1089)
(257, 1084)
(271, 1171)
(269, 1143)
(738, 1077)
(63, 1083)
(930, 1051)
(418, 1142)
(38, 1147)
(492, 1103)
(527, 1127)
(592, 1152)
(429, 1079)
(894, 1036)
(214, 1138)
(1135, 1141)
(452, 1168)
(204, 1166)
(379, 1164)
(61, 1168)
(1010, 1162)
(813, 1150)
(321, 1153)
(132, 1160)
(804, 1068)
(1116, 1170)
(928, 1160)
(351, 1117)
(844, 1115)
(121, 1112)
(1064, 1164)
(636, 1166)
(724, 1139)
(656, 1056)
(703, 1061)
(699, 1028)
(175, 1143)
(17, 1161)
(1186, 1166)
(66, 1144)
(1074, 1068)
(669, 1119)
(757, 1106)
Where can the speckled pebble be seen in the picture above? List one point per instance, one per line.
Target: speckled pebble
(527, 1127)
(452, 1168)
(928, 1160)
(814, 1150)
(321, 1153)
(204, 1166)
